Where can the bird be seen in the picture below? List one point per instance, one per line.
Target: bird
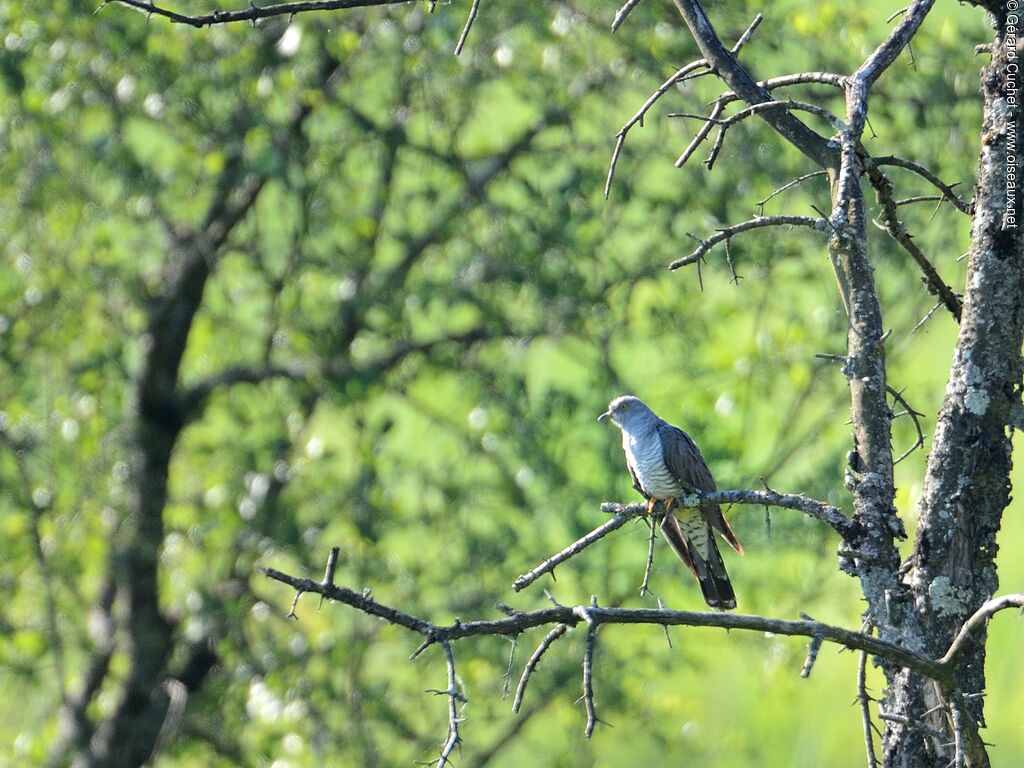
(665, 463)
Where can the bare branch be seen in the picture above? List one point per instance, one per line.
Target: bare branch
(549, 565)
(702, 134)
(469, 25)
(754, 109)
(531, 664)
(915, 416)
(521, 621)
(818, 225)
(724, 63)
(454, 697)
(946, 189)
(885, 54)
(588, 669)
(977, 622)
(826, 513)
(252, 13)
(813, 648)
(645, 584)
(865, 711)
(623, 13)
(784, 81)
(694, 68)
(800, 78)
(788, 185)
(892, 224)
(957, 716)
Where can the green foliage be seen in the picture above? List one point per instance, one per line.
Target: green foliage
(445, 471)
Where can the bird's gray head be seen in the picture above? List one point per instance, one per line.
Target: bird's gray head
(629, 414)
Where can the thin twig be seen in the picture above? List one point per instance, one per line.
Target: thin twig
(754, 109)
(507, 682)
(818, 225)
(295, 602)
(915, 416)
(623, 13)
(469, 25)
(531, 664)
(921, 199)
(927, 317)
(588, 669)
(931, 178)
(454, 697)
(620, 138)
(787, 185)
(890, 222)
(332, 564)
(735, 279)
(911, 723)
(957, 716)
(548, 566)
(650, 558)
(691, 70)
(813, 647)
(702, 134)
(252, 13)
(826, 513)
(865, 711)
(977, 622)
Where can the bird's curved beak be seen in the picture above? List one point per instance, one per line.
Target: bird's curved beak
(603, 416)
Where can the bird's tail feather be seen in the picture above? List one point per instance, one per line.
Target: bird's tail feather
(710, 573)
(720, 524)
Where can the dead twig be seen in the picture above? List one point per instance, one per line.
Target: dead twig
(721, 235)
(469, 25)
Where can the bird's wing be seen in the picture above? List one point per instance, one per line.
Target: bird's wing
(684, 461)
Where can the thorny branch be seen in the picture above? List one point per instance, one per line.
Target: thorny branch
(690, 71)
(588, 667)
(915, 416)
(755, 109)
(864, 699)
(623, 513)
(890, 221)
(565, 617)
(251, 14)
(534, 660)
(454, 697)
(946, 189)
(800, 78)
(725, 234)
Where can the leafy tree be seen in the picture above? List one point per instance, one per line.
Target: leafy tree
(321, 282)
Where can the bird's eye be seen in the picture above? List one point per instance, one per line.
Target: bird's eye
(624, 406)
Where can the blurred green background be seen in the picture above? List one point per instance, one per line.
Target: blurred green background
(437, 225)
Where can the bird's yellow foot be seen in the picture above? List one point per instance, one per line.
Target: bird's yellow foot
(669, 503)
(651, 502)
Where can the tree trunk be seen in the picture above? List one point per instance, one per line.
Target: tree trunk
(967, 483)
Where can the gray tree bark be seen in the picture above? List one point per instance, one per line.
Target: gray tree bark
(967, 483)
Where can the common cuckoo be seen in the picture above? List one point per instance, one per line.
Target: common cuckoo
(665, 463)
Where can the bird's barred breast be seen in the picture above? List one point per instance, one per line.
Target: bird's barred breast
(646, 457)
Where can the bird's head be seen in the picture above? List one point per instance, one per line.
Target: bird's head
(628, 412)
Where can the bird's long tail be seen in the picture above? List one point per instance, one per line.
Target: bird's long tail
(710, 571)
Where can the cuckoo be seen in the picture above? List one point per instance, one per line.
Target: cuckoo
(665, 463)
